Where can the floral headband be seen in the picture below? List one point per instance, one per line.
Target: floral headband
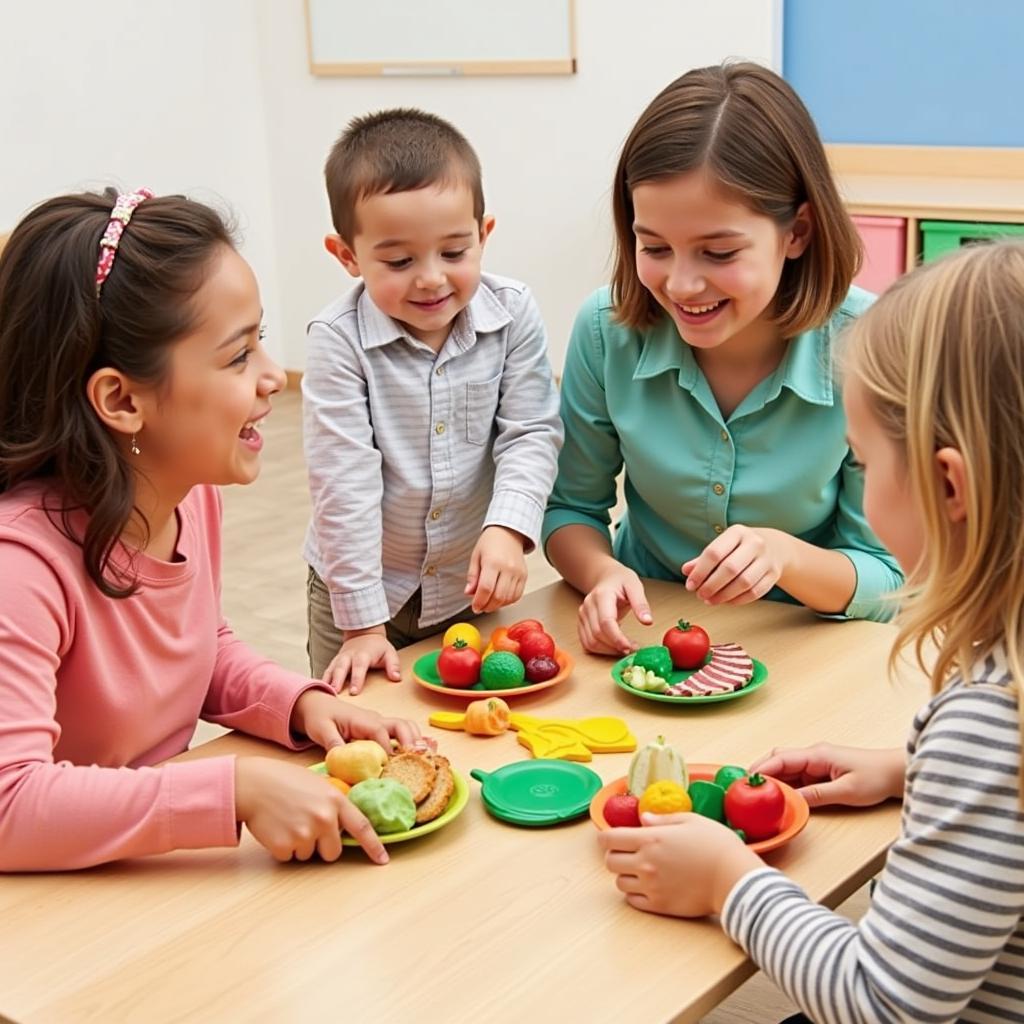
(119, 217)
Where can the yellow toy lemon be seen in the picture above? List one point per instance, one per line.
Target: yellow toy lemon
(665, 798)
(463, 631)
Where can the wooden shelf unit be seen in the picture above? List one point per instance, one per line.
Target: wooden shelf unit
(931, 183)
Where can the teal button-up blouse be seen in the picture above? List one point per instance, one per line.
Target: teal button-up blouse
(637, 398)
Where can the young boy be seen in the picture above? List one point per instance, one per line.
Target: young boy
(430, 412)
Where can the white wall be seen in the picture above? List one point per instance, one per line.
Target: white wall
(548, 145)
(213, 98)
(165, 94)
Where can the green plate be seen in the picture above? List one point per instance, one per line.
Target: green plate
(456, 804)
(424, 672)
(539, 792)
(758, 680)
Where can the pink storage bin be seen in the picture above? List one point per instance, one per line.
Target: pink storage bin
(885, 251)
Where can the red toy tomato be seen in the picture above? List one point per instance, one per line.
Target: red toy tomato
(536, 644)
(458, 665)
(755, 804)
(622, 810)
(688, 645)
(518, 629)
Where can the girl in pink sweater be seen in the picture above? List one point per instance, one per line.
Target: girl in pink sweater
(132, 382)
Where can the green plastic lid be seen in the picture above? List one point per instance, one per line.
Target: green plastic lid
(538, 792)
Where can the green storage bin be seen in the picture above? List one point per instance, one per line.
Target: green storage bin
(942, 236)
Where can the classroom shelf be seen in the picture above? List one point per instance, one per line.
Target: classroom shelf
(983, 188)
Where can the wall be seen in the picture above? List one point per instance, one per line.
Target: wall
(548, 145)
(910, 72)
(159, 94)
(215, 99)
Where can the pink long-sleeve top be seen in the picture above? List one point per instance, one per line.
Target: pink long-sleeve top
(95, 691)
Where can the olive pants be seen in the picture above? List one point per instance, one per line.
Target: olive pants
(325, 639)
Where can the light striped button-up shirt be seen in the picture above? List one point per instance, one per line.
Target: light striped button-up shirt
(943, 939)
(411, 454)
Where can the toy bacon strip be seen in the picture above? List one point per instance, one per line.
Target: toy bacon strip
(730, 668)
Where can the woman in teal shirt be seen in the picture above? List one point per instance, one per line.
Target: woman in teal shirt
(706, 371)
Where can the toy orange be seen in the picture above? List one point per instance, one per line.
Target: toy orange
(501, 641)
(665, 798)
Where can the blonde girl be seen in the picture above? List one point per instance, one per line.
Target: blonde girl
(935, 402)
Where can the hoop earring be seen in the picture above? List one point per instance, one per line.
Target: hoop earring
(135, 450)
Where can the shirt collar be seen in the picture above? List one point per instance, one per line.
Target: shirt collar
(806, 368)
(483, 315)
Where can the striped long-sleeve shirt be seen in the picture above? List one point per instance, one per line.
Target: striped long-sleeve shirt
(943, 939)
(411, 453)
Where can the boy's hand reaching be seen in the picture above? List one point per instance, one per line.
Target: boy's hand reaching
(738, 567)
(679, 864)
(329, 722)
(497, 570)
(362, 650)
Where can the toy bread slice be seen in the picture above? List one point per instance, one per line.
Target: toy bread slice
(440, 793)
(414, 771)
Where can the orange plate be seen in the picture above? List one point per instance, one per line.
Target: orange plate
(424, 671)
(793, 819)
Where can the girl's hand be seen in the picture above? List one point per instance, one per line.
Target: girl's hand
(362, 650)
(329, 722)
(294, 813)
(738, 567)
(497, 570)
(825, 774)
(679, 864)
(618, 591)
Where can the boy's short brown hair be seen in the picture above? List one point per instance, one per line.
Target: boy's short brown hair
(749, 128)
(397, 150)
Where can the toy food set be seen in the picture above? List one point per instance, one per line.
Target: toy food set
(764, 813)
(538, 793)
(404, 794)
(517, 659)
(564, 738)
(686, 667)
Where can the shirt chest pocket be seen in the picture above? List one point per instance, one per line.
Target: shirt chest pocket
(482, 409)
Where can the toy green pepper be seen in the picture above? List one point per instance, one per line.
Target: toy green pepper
(654, 659)
(708, 799)
(729, 774)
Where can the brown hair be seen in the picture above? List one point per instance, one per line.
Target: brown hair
(751, 130)
(397, 151)
(55, 333)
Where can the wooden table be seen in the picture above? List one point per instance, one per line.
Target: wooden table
(480, 921)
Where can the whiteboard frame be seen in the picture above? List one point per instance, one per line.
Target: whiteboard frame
(446, 69)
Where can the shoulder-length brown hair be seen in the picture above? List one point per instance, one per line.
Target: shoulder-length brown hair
(55, 333)
(751, 130)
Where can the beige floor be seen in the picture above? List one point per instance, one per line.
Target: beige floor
(264, 599)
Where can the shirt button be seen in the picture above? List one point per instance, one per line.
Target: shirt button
(431, 570)
(718, 489)
(436, 514)
(440, 371)
(725, 433)
(719, 528)
(439, 429)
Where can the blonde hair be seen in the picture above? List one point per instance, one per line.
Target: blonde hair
(941, 359)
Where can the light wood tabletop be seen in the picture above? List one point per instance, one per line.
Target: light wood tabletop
(480, 921)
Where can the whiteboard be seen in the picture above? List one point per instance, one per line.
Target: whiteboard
(441, 37)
